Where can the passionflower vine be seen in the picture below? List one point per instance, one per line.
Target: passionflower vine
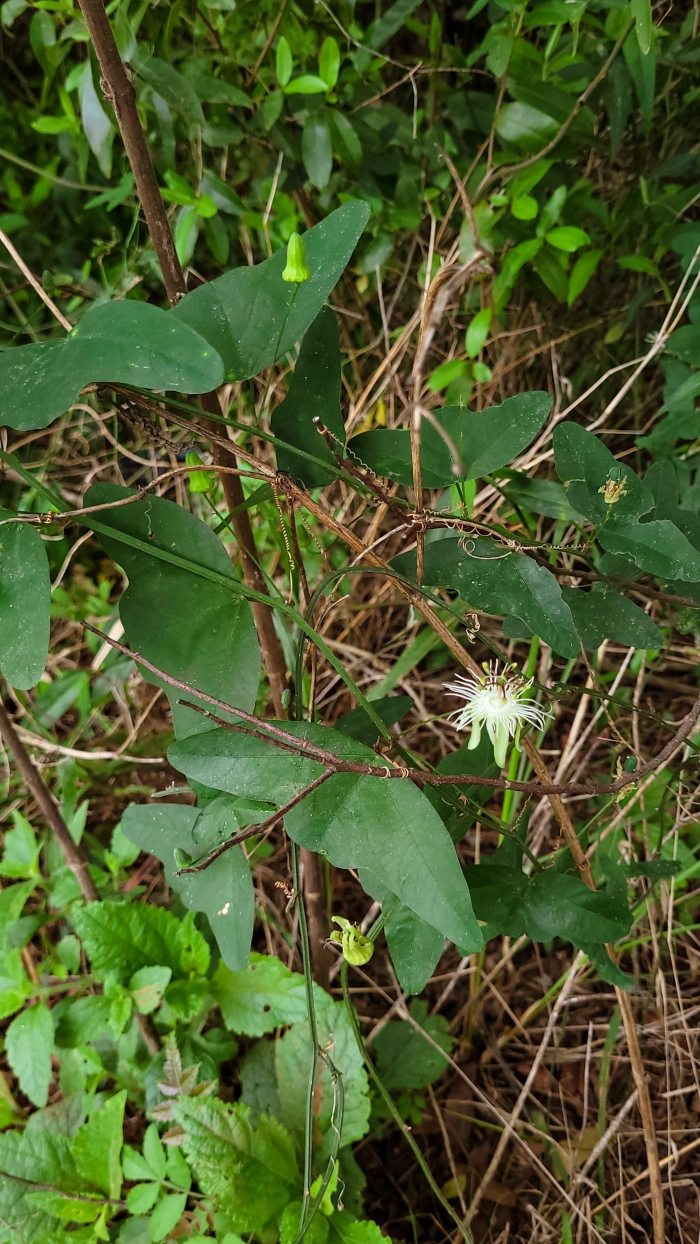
(500, 700)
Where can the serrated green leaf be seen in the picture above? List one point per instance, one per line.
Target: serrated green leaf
(224, 890)
(97, 1147)
(29, 1042)
(252, 1172)
(121, 938)
(192, 626)
(142, 1197)
(252, 317)
(263, 997)
(166, 1215)
(124, 341)
(314, 392)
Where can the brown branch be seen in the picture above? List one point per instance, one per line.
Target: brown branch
(253, 830)
(47, 806)
(118, 89)
(271, 733)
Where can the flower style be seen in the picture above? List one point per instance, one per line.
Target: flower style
(499, 701)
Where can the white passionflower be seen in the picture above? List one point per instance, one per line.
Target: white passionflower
(501, 702)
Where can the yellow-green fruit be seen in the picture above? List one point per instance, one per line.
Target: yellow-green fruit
(357, 949)
(200, 481)
(297, 269)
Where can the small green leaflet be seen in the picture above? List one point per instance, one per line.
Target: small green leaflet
(125, 342)
(610, 615)
(97, 1147)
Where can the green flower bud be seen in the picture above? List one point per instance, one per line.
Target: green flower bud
(199, 481)
(182, 858)
(357, 949)
(297, 269)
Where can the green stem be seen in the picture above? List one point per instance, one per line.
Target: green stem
(393, 1111)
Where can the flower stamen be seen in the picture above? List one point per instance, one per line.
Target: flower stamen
(501, 702)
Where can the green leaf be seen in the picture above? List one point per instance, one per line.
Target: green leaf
(81, 1020)
(415, 946)
(224, 890)
(568, 238)
(642, 70)
(12, 900)
(97, 1147)
(307, 84)
(610, 615)
(172, 86)
(121, 938)
(25, 597)
(317, 1232)
(147, 987)
(541, 496)
(495, 581)
(641, 12)
(125, 342)
(252, 1172)
(314, 392)
(478, 332)
(458, 806)
(194, 628)
(405, 1060)
(414, 856)
(335, 1034)
(167, 1215)
(252, 317)
(316, 146)
(329, 62)
(34, 1157)
(29, 1042)
(390, 23)
(581, 274)
(584, 464)
(98, 128)
(142, 1197)
(348, 1230)
(21, 853)
(484, 441)
(357, 724)
(657, 547)
(527, 127)
(263, 997)
(215, 91)
(548, 904)
(284, 63)
(186, 233)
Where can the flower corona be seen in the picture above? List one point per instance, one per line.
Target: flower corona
(501, 702)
